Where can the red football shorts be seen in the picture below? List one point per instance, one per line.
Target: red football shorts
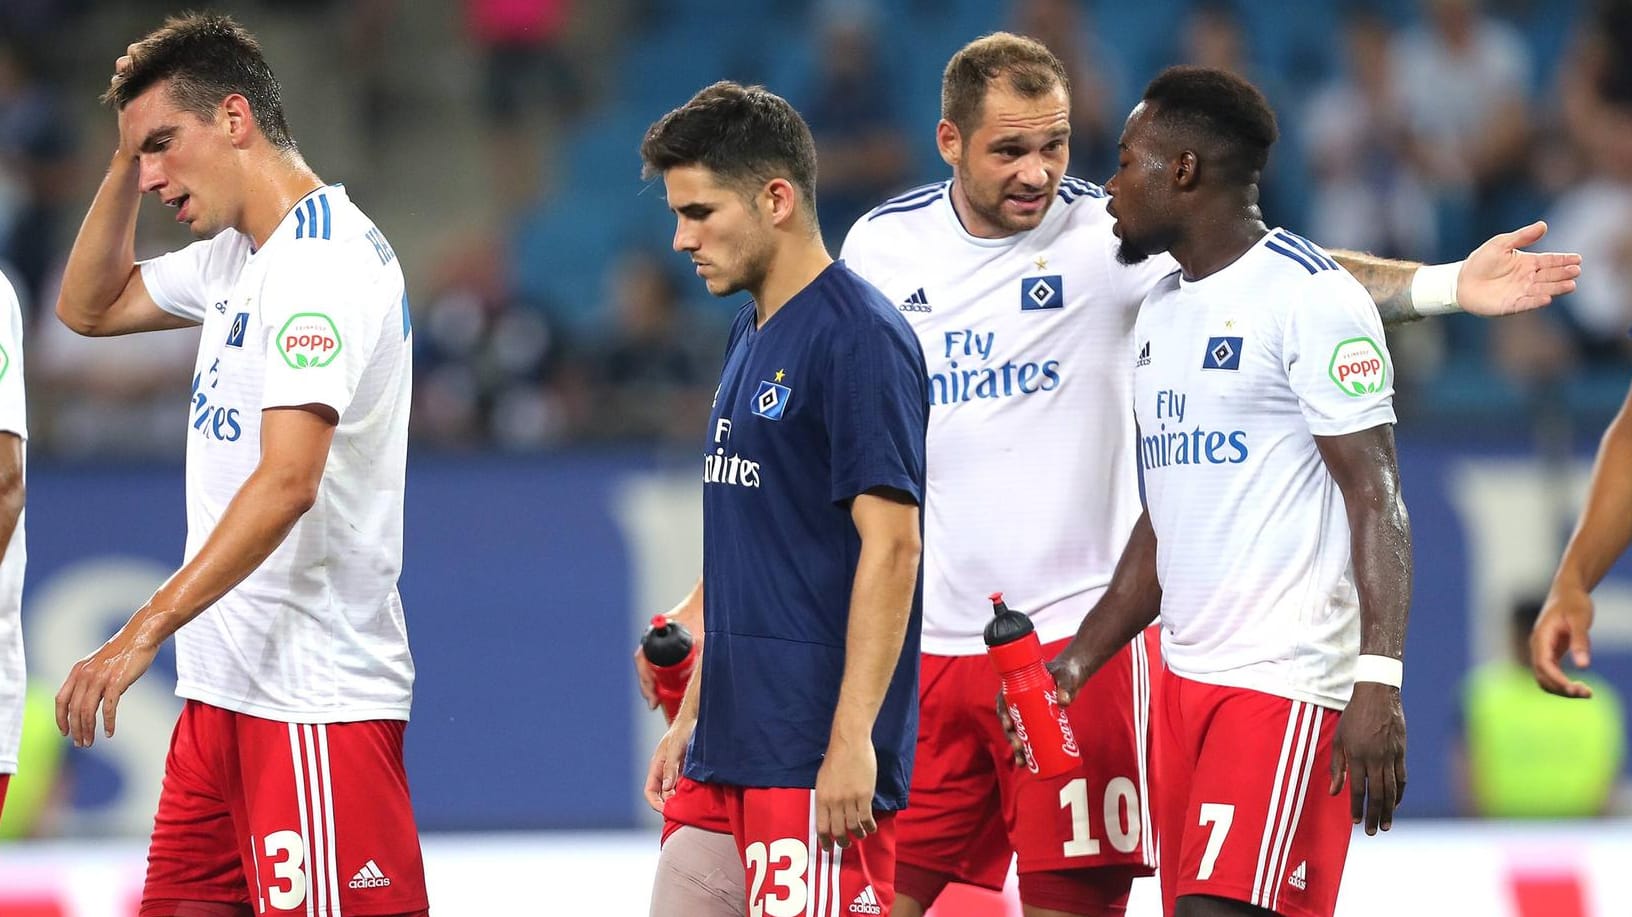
(1244, 813)
(971, 806)
(5, 781)
(697, 805)
(284, 818)
(787, 872)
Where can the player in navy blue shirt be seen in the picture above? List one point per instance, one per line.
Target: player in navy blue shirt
(798, 731)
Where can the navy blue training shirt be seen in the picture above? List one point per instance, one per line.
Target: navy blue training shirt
(826, 401)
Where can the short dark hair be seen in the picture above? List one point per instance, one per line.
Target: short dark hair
(1221, 111)
(1031, 70)
(205, 57)
(747, 135)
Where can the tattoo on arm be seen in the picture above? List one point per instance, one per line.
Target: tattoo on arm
(1388, 282)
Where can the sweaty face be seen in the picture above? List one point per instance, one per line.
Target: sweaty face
(728, 239)
(1009, 167)
(1140, 192)
(185, 160)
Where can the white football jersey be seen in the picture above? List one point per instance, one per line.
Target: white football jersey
(318, 315)
(1235, 376)
(13, 419)
(1032, 488)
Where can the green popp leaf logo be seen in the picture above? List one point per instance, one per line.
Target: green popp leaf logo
(309, 339)
(1359, 367)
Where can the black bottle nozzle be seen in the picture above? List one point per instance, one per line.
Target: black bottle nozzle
(665, 642)
(1007, 625)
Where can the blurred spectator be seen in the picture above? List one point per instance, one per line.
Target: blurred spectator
(526, 79)
(1464, 78)
(1595, 216)
(653, 378)
(1097, 84)
(1531, 754)
(36, 170)
(488, 369)
(1368, 194)
(859, 138)
(1214, 36)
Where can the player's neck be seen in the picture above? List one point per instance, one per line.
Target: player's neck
(272, 191)
(1213, 242)
(792, 269)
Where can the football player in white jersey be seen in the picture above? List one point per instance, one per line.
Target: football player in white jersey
(1275, 543)
(13, 555)
(284, 786)
(1008, 274)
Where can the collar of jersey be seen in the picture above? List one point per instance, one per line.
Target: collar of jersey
(338, 188)
(1009, 241)
(1188, 284)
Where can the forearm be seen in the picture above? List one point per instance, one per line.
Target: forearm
(1605, 529)
(104, 252)
(1386, 280)
(1130, 603)
(1380, 545)
(12, 497)
(880, 605)
(255, 523)
(690, 611)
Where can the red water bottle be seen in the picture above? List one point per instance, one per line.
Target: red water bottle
(668, 647)
(1029, 691)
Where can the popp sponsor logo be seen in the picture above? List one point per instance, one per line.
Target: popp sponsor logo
(309, 339)
(1359, 367)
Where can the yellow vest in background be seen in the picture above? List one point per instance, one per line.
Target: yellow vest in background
(1534, 755)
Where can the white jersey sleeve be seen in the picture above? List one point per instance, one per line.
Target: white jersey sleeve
(1336, 358)
(13, 419)
(180, 282)
(320, 331)
(13, 405)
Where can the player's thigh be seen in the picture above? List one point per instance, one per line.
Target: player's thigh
(787, 874)
(194, 858)
(327, 809)
(951, 827)
(1259, 826)
(699, 874)
(1097, 816)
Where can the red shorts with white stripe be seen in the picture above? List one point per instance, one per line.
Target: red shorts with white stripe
(5, 782)
(1244, 813)
(971, 807)
(787, 872)
(284, 818)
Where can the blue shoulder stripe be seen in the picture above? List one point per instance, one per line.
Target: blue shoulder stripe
(1290, 253)
(909, 195)
(903, 208)
(300, 223)
(1082, 186)
(323, 200)
(1308, 248)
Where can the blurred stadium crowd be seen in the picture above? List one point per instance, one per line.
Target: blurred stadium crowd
(496, 143)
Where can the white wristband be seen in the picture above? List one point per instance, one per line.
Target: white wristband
(1383, 670)
(1433, 289)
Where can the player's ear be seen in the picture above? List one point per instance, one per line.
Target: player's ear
(781, 199)
(238, 117)
(1184, 170)
(949, 140)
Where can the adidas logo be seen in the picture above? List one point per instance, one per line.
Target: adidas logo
(1144, 356)
(369, 877)
(1299, 879)
(867, 901)
(917, 302)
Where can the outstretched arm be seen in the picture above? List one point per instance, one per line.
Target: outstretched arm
(1496, 279)
(1600, 537)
